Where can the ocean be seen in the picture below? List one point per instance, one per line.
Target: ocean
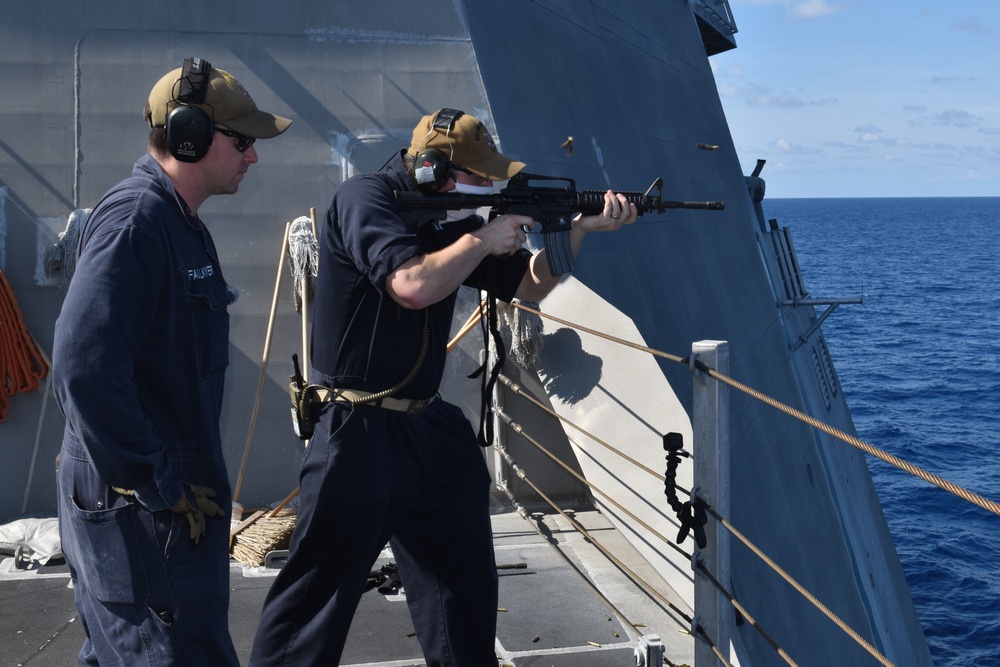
(919, 362)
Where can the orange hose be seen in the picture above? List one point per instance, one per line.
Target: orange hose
(22, 365)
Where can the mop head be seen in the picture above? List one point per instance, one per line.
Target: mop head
(252, 544)
(303, 257)
(523, 331)
(59, 261)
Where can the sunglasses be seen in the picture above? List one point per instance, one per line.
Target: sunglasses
(243, 142)
(475, 177)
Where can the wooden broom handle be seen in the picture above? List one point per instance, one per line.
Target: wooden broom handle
(263, 366)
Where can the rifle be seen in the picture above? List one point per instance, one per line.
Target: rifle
(553, 207)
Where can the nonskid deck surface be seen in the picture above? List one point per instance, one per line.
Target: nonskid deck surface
(548, 615)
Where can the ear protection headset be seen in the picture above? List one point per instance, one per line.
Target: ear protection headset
(432, 166)
(189, 129)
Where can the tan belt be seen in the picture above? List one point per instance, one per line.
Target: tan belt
(410, 406)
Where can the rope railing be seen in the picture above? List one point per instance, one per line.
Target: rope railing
(524, 393)
(635, 627)
(746, 614)
(516, 428)
(693, 628)
(648, 588)
(519, 430)
(865, 644)
(555, 543)
(891, 459)
(830, 430)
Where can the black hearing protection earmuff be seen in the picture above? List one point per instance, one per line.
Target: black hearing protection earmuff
(432, 167)
(189, 129)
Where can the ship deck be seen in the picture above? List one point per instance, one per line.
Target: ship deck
(548, 614)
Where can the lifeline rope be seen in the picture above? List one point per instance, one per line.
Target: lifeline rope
(753, 622)
(22, 365)
(642, 583)
(573, 566)
(566, 559)
(514, 426)
(797, 586)
(915, 470)
(521, 391)
(959, 491)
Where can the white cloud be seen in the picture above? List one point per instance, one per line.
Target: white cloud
(761, 96)
(954, 78)
(872, 134)
(971, 24)
(766, 99)
(810, 9)
(868, 129)
(936, 146)
(844, 146)
(957, 117)
(729, 71)
(800, 9)
(729, 90)
(784, 146)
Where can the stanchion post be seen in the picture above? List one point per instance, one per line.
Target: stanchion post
(710, 452)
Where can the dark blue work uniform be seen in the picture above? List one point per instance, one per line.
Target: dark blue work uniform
(141, 348)
(372, 475)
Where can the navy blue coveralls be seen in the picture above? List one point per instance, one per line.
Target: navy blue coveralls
(140, 353)
(371, 475)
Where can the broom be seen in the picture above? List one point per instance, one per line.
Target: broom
(260, 533)
(238, 488)
(252, 539)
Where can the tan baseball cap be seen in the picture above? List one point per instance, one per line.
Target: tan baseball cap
(466, 141)
(226, 101)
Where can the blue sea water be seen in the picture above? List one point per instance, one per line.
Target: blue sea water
(919, 361)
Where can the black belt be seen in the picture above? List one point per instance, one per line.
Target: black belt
(410, 406)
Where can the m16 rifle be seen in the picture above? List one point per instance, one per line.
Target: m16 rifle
(552, 207)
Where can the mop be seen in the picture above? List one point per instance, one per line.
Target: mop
(271, 530)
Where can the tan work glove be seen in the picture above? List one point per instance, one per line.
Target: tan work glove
(196, 515)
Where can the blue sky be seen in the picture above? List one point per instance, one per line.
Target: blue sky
(866, 98)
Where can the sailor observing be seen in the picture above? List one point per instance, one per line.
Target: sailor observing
(140, 353)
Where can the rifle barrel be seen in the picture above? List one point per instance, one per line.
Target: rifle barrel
(592, 201)
(705, 205)
(586, 202)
